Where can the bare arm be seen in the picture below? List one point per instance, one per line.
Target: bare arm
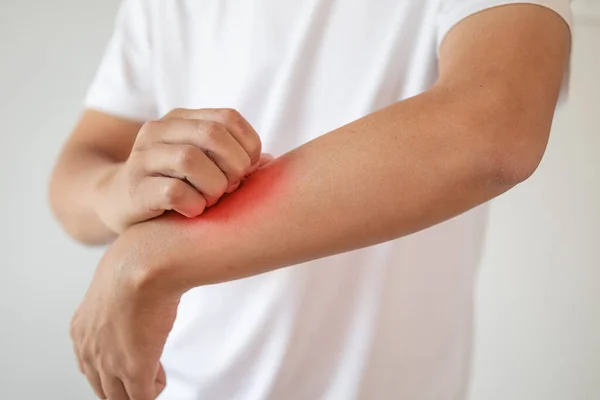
(481, 130)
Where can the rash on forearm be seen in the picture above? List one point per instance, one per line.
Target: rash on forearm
(257, 190)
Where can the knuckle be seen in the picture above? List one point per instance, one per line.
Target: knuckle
(105, 364)
(132, 371)
(240, 169)
(173, 191)
(236, 121)
(140, 394)
(217, 188)
(210, 129)
(86, 357)
(220, 186)
(149, 128)
(224, 184)
(96, 351)
(254, 148)
(175, 112)
(231, 115)
(186, 157)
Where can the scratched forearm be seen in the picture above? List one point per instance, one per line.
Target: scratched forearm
(387, 175)
(480, 130)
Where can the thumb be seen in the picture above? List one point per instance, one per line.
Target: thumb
(265, 158)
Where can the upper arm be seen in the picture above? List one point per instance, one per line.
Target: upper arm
(519, 49)
(503, 68)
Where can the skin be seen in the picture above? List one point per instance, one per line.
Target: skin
(185, 162)
(479, 131)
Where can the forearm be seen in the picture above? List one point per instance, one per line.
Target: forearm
(392, 173)
(74, 188)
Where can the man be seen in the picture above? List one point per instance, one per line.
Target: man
(387, 117)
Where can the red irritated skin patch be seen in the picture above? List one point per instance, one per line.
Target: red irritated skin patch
(223, 239)
(258, 189)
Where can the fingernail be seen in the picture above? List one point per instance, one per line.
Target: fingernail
(232, 187)
(253, 168)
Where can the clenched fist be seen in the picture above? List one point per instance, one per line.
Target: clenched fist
(183, 162)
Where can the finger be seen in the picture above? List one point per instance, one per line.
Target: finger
(212, 137)
(163, 193)
(140, 386)
(161, 380)
(113, 387)
(215, 140)
(234, 122)
(233, 188)
(78, 358)
(264, 160)
(73, 335)
(190, 163)
(94, 380)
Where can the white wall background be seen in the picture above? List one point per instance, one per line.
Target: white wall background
(538, 313)
(538, 331)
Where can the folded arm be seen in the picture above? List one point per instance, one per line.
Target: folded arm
(479, 131)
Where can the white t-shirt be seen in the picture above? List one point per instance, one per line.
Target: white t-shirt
(392, 321)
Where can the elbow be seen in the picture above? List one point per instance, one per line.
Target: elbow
(53, 195)
(509, 171)
(511, 139)
(515, 158)
(60, 211)
(53, 198)
(509, 153)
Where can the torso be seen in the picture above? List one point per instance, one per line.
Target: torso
(391, 321)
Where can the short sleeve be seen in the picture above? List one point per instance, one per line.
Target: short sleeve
(452, 12)
(123, 84)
